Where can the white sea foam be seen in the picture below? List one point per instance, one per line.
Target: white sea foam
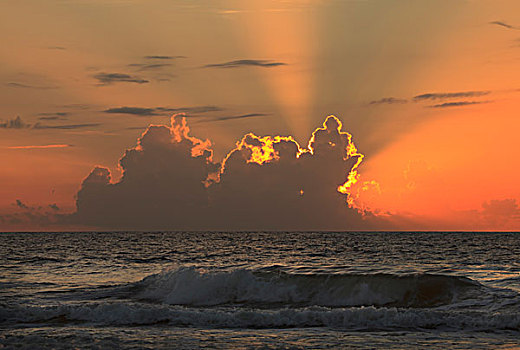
(358, 318)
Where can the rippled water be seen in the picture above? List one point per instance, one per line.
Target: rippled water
(259, 290)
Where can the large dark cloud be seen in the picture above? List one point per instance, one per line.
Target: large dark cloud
(170, 181)
(110, 78)
(246, 63)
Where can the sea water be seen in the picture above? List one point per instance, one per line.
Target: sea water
(184, 290)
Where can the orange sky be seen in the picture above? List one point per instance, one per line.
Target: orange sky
(433, 161)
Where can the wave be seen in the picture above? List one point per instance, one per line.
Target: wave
(267, 288)
(359, 318)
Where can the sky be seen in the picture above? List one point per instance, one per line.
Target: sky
(425, 94)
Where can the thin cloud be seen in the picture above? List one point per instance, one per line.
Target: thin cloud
(41, 146)
(133, 111)
(246, 63)
(59, 114)
(52, 117)
(196, 109)
(448, 95)
(76, 106)
(388, 100)
(159, 57)
(27, 86)
(505, 25)
(145, 67)
(458, 104)
(235, 117)
(145, 112)
(110, 78)
(66, 126)
(61, 48)
(18, 123)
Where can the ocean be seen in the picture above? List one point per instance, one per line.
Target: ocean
(259, 290)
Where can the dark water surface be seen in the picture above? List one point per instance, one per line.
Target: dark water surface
(259, 290)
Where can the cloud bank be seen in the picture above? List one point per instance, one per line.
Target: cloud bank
(170, 181)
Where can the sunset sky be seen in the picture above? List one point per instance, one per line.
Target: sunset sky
(429, 91)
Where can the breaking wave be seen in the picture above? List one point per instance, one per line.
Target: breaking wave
(273, 288)
(271, 298)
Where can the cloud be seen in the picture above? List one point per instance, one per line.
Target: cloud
(501, 208)
(145, 67)
(234, 117)
(110, 78)
(154, 111)
(388, 100)
(246, 63)
(504, 24)
(133, 111)
(54, 207)
(27, 86)
(66, 126)
(171, 181)
(53, 116)
(59, 114)
(21, 205)
(76, 106)
(41, 146)
(16, 123)
(458, 104)
(159, 57)
(450, 95)
(37, 215)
